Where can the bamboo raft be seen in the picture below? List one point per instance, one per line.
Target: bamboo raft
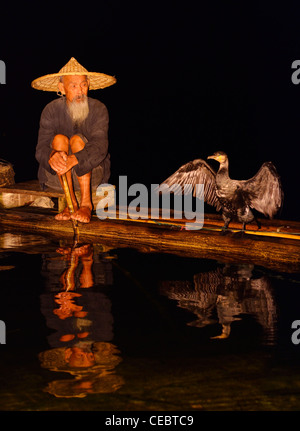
(276, 245)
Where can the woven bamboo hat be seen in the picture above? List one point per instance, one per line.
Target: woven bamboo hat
(50, 82)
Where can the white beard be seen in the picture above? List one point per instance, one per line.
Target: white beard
(79, 110)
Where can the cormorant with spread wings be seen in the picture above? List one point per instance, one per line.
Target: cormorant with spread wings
(236, 198)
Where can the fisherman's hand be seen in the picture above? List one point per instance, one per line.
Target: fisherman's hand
(61, 163)
(71, 162)
(58, 161)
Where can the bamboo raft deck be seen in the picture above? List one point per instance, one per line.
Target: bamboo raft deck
(276, 245)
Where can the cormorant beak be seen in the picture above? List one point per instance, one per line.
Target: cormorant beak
(218, 157)
(212, 157)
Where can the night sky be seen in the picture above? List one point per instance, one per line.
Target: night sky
(192, 79)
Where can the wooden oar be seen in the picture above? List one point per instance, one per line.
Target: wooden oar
(71, 208)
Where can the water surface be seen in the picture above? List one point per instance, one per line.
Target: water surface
(94, 328)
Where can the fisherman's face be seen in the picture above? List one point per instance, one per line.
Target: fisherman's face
(74, 87)
(78, 358)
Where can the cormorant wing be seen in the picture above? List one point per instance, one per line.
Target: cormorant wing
(264, 190)
(191, 174)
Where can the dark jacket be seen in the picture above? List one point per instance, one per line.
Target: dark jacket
(55, 119)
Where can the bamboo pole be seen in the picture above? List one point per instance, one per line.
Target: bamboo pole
(212, 226)
(71, 207)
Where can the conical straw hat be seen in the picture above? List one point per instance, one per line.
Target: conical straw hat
(50, 82)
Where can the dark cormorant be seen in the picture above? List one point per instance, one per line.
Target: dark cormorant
(235, 198)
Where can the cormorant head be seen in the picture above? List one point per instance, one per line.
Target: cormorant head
(220, 156)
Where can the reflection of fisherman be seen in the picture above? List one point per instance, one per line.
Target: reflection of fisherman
(89, 261)
(93, 374)
(83, 328)
(73, 313)
(85, 254)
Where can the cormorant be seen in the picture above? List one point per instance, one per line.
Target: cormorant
(236, 198)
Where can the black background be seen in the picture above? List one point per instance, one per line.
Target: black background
(192, 78)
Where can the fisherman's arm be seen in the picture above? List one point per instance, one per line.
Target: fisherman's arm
(96, 142)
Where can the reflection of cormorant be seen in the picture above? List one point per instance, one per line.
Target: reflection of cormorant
(236, 198)
(231, 292)
(83, 325)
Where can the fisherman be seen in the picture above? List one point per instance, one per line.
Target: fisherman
(73, 136)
